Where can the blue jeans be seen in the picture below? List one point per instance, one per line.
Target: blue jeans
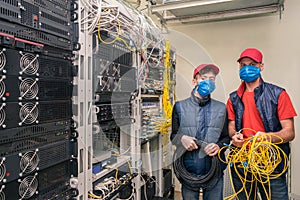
(216, 193)
(279, 190)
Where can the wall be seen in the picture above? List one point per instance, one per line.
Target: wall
(222, 42)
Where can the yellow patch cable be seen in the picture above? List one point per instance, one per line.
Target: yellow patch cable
(258, 157)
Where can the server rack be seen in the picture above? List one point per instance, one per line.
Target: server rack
(118, 73)
(38, 137)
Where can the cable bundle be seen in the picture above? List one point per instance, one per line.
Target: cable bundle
(109, 186)
(192, 181)
(257, 159)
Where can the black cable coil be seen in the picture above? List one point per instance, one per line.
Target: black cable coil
(192, 181)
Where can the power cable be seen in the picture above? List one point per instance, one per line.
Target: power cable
(190, 180)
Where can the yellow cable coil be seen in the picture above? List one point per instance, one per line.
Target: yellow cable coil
(258, 158)
(166, 103)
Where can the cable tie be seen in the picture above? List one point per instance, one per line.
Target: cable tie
(228, 145)
(245, 164)
(239, 132)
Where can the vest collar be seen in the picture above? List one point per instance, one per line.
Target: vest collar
(198, 101)
(258, 90)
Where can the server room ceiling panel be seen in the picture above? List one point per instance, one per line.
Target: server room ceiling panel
(183, 11)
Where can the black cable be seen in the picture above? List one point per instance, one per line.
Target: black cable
(190, 180)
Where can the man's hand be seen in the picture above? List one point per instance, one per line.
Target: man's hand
(263, 136)
(189, 143)
(211, 149)
(238, 140)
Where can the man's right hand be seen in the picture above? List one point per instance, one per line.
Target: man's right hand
(238, 140)
(189, 143)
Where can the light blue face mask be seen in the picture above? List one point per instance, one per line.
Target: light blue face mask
(206, 87)
(249, 73)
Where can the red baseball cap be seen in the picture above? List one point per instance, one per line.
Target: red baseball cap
(202, 66)
(252, 53)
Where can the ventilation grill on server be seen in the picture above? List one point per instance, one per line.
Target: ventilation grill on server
(55, 19)
(29, 162)
(2, 86)
(31, 10)
(29, 64)
(8, 13)
(11, 2)
(2, 59)
(2, 194)
(29, 113)
(28, 187)
(39, 3)
(15, 140)
(2, 114)
(2, 169)
(56, 30)
(31, 34)
(56, 68)
(29, 88)
(58, 3)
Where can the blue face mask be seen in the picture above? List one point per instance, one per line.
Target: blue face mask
(249, 73)
(206, 87)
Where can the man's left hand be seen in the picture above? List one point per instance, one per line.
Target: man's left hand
(212, 149)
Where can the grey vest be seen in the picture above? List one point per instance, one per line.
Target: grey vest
(204, 123)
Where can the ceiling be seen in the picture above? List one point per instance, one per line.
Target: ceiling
(183, 11)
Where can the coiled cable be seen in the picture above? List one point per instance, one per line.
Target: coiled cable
(190, 180)
(256, 162)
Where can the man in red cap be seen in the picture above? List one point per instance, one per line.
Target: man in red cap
(200, 119)
(259, 108)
